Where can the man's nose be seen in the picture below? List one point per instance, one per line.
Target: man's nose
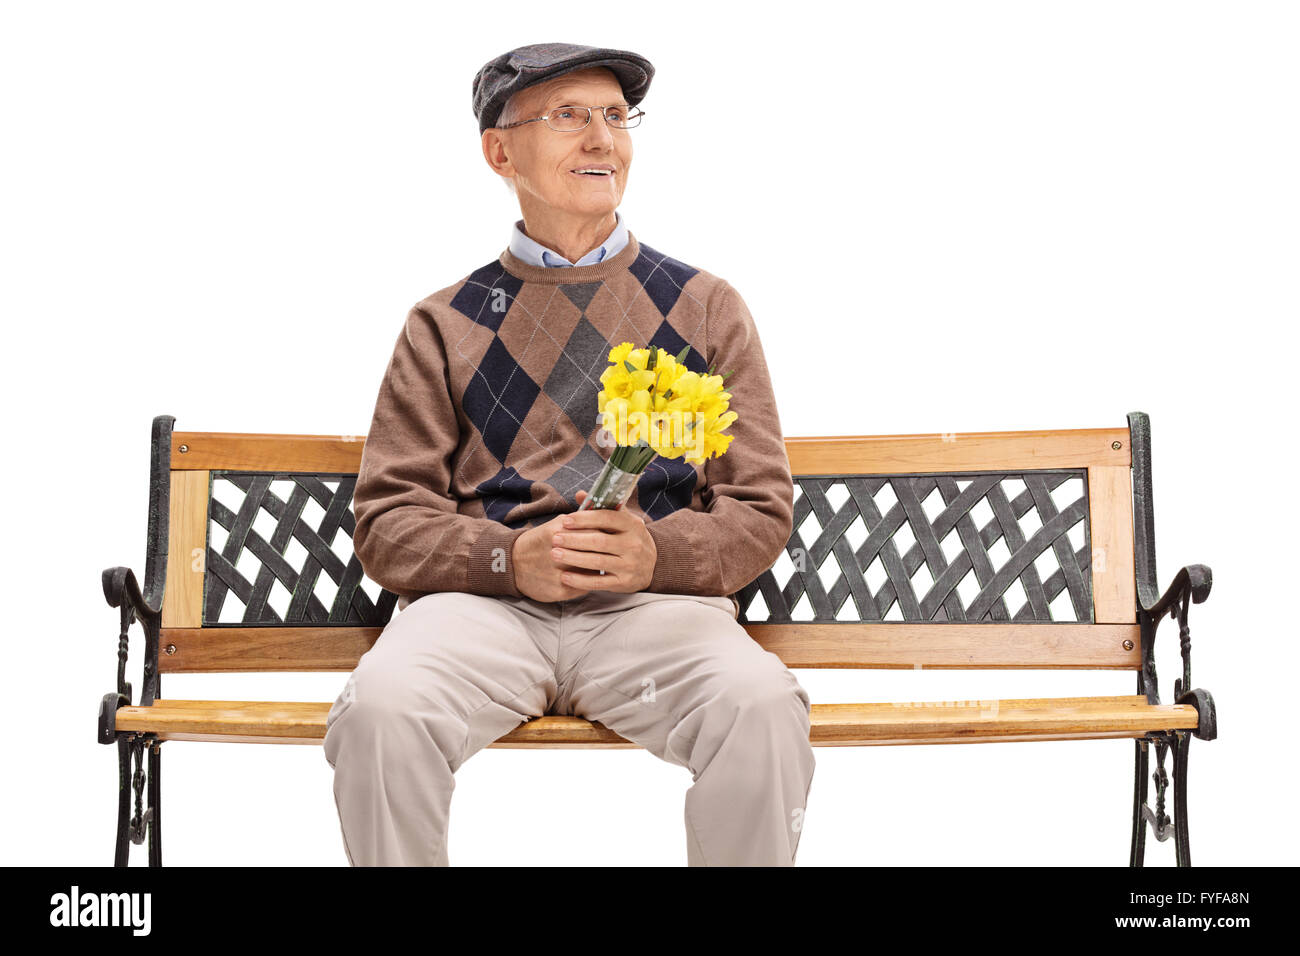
(597, 132)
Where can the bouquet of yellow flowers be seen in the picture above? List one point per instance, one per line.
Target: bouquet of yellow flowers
(654, 405)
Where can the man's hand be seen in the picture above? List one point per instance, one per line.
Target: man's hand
(562, 559)
(611, 540)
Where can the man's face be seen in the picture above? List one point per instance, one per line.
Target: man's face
(543, 160)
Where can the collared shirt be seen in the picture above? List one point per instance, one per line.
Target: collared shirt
(534, 253)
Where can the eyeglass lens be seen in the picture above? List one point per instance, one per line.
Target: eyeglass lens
(568, 118)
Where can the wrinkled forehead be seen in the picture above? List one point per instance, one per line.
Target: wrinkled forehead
(594, 87)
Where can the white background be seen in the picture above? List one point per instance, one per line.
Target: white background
(945, 217)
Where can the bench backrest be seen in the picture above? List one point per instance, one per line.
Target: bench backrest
(977, 549)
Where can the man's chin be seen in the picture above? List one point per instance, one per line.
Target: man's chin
(593, 204)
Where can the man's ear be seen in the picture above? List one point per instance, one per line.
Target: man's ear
(494, 151)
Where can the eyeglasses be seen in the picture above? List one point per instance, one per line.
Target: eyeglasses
(570, 119)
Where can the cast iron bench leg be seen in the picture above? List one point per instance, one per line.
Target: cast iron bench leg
(1182, 845)
(123, 842)
(155, 803)
(1137, 849)
(147, 822)
(1163, 827)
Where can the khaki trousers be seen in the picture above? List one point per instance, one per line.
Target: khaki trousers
(674, 673)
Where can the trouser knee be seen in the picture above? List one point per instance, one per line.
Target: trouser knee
(378, 716)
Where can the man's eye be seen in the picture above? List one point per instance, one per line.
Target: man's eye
(564, 112)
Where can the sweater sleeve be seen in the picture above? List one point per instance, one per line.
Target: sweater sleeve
(409, 537)
(749, 492)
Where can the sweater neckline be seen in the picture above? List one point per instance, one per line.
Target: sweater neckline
(557, 275)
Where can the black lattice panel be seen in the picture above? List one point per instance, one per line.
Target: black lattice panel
(279, 552)
(974, 547)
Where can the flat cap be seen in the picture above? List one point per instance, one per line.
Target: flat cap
(501, 78)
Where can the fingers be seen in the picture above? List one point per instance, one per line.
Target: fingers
(598, 541)
(595, 560)
(591, 580)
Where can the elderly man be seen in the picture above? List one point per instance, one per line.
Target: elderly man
(485, 437)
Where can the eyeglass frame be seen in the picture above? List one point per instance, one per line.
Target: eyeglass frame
(573, 106)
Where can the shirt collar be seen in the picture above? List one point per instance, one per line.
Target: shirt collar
(534, 253)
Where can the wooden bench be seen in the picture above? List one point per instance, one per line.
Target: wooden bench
(1030, 549)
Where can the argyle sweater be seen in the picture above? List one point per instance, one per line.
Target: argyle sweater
(486, 424)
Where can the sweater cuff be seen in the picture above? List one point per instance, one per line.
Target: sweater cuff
(674, 565)
(491, 561)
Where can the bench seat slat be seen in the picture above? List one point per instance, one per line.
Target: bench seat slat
(973, 721)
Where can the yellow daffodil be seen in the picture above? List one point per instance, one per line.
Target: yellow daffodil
(654, 405)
